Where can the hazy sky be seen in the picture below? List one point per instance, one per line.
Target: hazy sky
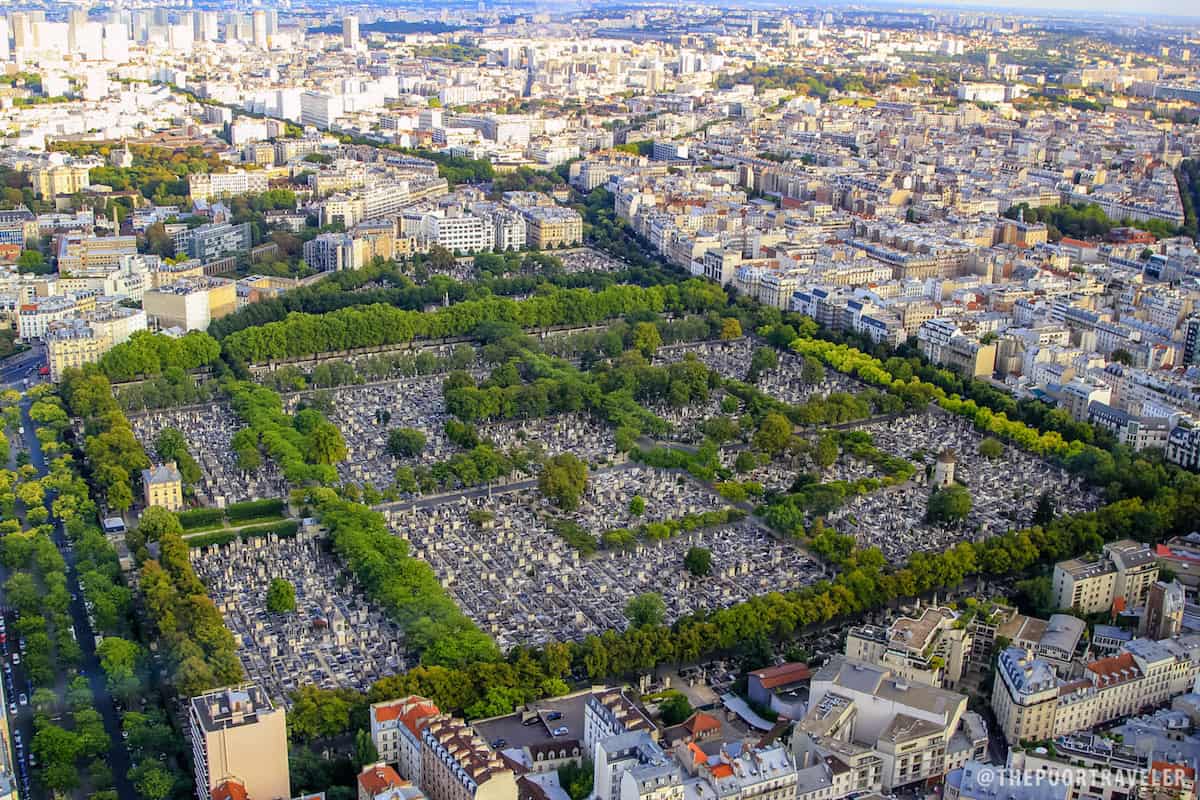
(1181, 8)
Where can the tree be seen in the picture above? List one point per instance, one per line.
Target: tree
(731, 328)
(646, 338)
(157, 522)
(1036, 596)
(773, 434)
(55, 745)
(763, 360)
(152, 780)
(33, 262)
(812, 371)
(646, 610)
(119, 659)
(948, 505)
(563, 480)
(1122, 356)
(1043, 514)
(281, 596)
(365, 752)
(698, 561)
(326, 445)
(577, 781)
(825, 454)
(637, 505)
(675, 708)
(405, 442)
(991, 448)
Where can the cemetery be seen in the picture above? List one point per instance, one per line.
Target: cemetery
(209, 430)
(586, 259)
(366, 413)
(1004, 491)
(500, 558)
(333, 638)
(582, 434)
(731, 359)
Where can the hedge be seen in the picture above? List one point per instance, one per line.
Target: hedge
(283, 530)
(253, 509)
(200, 518)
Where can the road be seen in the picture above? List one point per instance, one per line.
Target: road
(23, 365)
(118, 755)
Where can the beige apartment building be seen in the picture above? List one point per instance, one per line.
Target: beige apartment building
(456, 764)
(63, 179)
(239, 737)
(396, 727)
(75, 342)
(83, 255)
(1123, 573)
(548, 227)
(1032, 703)
(932, 649)
(890, 731)
(190, 303)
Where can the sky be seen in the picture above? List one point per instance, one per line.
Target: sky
(1176, 8)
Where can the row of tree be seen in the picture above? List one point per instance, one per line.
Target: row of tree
(405, 587)
(200, 651)
(376, 325)
(150, 354)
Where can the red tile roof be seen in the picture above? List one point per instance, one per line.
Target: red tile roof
(413, 711)
(782, 674)
(378, 779)
(229, 790)
(1114, 669)
(700, 723)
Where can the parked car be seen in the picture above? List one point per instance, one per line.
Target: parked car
(23, 699)
(12, 709)
(16, 658)
(560, 731)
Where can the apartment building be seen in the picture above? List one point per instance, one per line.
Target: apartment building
(396, 727)
(79, 341)
(332, 252)
(889, 731)
(17, 226)
(162, 486)
(380, 782)
(239, 736)
(456, 764)
(1124, 571)
(635, 751)
(610, 713)
(931, 650)
(50, 181)
(190, 303)
(548, 227)
(35, 317)
(1031, 702)
(459, 234)
(209, 185)
(81, 255)
(942, 342)
(212, 241)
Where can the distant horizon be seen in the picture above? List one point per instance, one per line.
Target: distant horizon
(1176, 10)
